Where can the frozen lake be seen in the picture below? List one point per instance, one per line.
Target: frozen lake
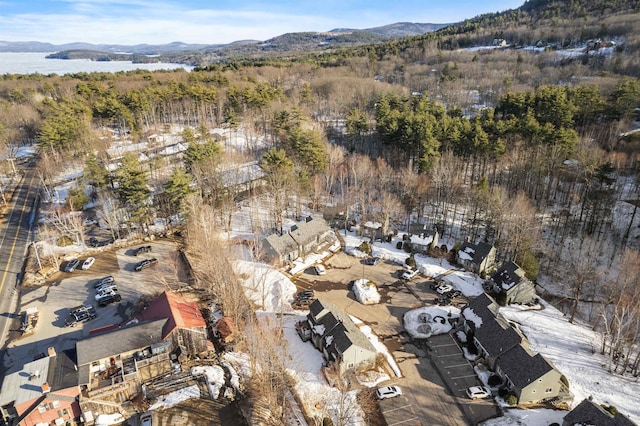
(30, 63)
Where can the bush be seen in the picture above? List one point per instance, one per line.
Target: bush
(365, 247)
(399, 245)
(511, 400)
(503, 392)
(407, 247)
(64, 241)
(494, 380)
(410, 262)
(327, 421)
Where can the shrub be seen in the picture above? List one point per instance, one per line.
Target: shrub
(64, 241)
(407, 247)
(494, 380)
(410, 262)
(511, 399)
(399, 245)
(365, 247)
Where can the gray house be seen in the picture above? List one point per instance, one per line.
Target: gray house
(423, 242)
(511, 286)
(530, 377)
(590, 413)
(303, 238)
(479, 258)
(337, 337)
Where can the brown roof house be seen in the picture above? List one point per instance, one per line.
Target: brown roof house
(337, 337)
(478, 258)
(303, 238)
(185, 324)
(43, 392)
(530, 377)
(510, 285)
(590, 413)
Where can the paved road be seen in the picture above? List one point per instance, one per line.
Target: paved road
(16, 228)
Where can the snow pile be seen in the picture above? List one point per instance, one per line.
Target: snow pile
(240, 362)
(366, 292)
(109, 419)
(176, 397)
(214, 375)
(423, 323)
(234, 378)
(267, 287)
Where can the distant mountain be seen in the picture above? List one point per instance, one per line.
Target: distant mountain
(399, 29)
(139, 49)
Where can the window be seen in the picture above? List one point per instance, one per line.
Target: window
(42, 408)
(55, 404)
(548, 390)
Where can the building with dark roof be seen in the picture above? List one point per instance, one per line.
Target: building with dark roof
(511, 285)
(336, 336)
(530, 377)
(590, 413)
(478, 258)
(303, 238)
(45, 391)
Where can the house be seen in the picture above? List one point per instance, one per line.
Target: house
(44, 391)
(337, 337)
(479, 258)
(185, 325)
(490, 332)
(590, 413)
(423, 242)
(530, 377)
(113, 365)
(511, 286)
(303, 238)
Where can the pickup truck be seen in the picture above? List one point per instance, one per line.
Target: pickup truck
(80, 316)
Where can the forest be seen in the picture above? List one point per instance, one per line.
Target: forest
(529, 150)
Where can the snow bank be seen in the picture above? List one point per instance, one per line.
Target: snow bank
(423, 323)
(366, 292)
(267, 287)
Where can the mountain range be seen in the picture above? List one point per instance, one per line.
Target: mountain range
(337, 35)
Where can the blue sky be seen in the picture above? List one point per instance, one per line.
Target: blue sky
(216, 21)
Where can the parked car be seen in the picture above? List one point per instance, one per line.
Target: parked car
(373, 261)
(409, 274)
(444, 289)
(80, 308)
(72, 265)
(89, 222)
(106, 280)
(434, 285)
(145, 419)
(388, 392)
(93, 241)
(302, 303)
(145, 264)
(108, 299)
(320, 270)
(105, 294)
(478, 392)
(107, 288)
(453, 294)
(80, 316)
(88, 263)
(442, 301)
(142, 250)
(306, 294)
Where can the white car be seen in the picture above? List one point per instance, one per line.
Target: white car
(478, 392)
(88, 262)
(320, 269)
(102, 295)
(388, 392)
(444, 288)
(409, 274)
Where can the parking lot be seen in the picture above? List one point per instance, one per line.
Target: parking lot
(67, 290)
(435, 377)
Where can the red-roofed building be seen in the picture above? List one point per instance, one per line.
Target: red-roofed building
(185, 324)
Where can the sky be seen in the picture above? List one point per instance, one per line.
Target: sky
(131, 22)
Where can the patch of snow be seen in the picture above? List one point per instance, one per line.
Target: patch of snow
(176, 397)
(366, 291)
(214, 375)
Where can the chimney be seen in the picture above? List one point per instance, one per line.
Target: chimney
(45, 387)
(51, 351)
